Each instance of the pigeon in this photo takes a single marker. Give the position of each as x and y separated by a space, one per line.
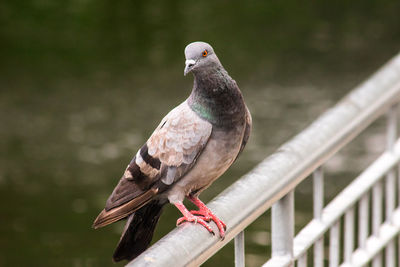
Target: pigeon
192 146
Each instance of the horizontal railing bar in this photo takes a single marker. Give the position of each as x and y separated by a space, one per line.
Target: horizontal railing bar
274 177
345 200
387 232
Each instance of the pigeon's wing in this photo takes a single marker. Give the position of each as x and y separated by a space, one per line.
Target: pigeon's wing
247 132
169 153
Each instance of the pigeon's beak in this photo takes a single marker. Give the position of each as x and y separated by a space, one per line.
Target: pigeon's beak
189 66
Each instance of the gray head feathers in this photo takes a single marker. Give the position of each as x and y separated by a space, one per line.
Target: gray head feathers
200 57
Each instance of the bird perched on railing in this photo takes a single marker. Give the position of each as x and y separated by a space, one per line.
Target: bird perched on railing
192 146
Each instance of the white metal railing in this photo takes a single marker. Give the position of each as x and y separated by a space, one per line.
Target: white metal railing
272 183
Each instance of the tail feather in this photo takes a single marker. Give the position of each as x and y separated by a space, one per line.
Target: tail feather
109 216
138 231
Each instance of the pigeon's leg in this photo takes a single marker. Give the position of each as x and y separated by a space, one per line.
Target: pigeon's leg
189 217
206 214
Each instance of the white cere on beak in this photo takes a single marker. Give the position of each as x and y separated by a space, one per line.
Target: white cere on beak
189 63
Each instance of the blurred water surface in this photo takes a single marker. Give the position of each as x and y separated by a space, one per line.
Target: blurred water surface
84 83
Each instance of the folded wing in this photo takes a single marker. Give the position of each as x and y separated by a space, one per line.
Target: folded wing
168 155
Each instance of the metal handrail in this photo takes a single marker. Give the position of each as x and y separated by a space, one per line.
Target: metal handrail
276 176
345 200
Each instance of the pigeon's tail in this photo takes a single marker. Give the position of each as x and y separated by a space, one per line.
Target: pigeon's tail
138 231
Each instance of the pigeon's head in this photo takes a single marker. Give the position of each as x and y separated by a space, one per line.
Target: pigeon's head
200 56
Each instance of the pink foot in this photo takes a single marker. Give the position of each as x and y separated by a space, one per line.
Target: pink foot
208 217
205 214
188 217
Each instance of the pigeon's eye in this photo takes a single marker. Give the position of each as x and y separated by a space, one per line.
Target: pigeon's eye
204 53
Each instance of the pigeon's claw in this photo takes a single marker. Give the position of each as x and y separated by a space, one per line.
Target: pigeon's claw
189 217
195 219
201 214
206 214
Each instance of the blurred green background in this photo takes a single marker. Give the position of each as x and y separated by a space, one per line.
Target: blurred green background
84 83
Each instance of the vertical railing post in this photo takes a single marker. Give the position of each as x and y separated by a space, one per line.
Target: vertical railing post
390 182
282 214
239 250
377 217
363 221
334 245
348 234
302 261
318 203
